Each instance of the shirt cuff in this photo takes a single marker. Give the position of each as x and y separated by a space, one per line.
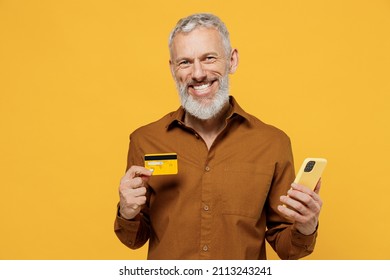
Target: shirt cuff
302 240
131 225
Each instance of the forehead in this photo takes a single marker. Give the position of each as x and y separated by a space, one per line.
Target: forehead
198 42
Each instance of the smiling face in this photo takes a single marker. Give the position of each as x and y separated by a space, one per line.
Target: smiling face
200 67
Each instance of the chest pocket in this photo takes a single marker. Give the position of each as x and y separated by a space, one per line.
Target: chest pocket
245 189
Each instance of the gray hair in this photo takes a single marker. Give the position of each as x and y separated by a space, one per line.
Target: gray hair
191 22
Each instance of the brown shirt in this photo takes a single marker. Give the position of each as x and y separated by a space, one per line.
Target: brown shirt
223 202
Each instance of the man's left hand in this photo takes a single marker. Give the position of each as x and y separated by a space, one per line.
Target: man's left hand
304 206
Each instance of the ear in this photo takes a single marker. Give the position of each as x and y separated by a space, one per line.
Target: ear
234 58
171 66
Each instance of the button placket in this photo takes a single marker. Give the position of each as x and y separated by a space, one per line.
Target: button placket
205 207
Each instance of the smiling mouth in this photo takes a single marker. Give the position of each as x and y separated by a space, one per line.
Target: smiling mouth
201 88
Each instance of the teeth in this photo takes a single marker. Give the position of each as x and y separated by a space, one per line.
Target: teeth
201 87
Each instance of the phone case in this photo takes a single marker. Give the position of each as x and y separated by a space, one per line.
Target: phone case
310 172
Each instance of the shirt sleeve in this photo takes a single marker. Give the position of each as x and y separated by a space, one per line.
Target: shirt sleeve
287 242
136 232
133 233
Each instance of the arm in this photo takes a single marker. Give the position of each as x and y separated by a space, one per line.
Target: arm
284 230
132 219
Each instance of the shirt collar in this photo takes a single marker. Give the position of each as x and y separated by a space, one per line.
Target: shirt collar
177 117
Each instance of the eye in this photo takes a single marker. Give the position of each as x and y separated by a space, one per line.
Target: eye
210 58
184 63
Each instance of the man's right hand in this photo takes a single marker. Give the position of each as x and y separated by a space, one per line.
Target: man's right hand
132 191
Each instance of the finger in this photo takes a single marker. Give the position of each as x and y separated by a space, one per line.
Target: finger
288 212
294 205
135 206
130 194
303 224
132 204
140 200
131 183
139 192
296 211
301 188
313 201
135 202
305 190
137 171
130 199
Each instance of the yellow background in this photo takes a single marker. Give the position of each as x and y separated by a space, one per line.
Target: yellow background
76 77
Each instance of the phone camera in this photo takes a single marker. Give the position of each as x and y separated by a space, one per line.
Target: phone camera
309 166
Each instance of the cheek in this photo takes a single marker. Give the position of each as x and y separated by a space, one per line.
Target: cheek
217 70
182 76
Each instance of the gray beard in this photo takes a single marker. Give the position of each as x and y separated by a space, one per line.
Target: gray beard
203 111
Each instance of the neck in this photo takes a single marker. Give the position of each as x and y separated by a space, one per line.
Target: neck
208 129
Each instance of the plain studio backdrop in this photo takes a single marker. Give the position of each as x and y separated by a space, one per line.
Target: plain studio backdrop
76 77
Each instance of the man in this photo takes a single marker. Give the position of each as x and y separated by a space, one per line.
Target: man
235 172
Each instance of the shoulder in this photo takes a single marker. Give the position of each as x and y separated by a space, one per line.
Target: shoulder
255 126
269 140
266 130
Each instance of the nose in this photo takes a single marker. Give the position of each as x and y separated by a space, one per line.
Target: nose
198 73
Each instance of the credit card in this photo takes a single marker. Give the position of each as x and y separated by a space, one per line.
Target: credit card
162 164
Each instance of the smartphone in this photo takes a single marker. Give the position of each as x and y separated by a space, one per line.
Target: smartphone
310 172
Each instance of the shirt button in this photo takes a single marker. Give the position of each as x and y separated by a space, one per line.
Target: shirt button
205 248
206 207
207 168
